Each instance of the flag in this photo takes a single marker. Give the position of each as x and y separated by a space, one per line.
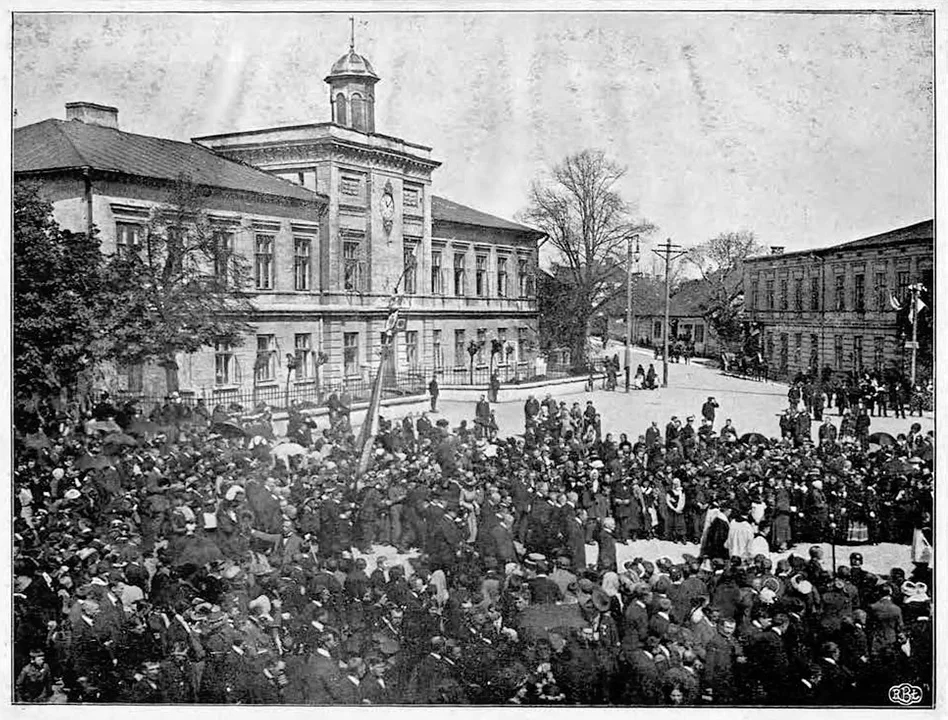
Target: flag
919 306
893 303
921 548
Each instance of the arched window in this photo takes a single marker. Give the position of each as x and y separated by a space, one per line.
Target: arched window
358 112
341 109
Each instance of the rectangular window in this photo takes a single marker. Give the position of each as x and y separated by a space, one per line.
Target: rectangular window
135 377
263 262
351 186
459 262
350 354
769 346
878 352
657 330
302 254
501 277
699 334
481 345
410 262
223 364
859 293
502 336
411 348
460 349
522 277
353 267
128 238
798 295
755 295
882 300
784 351
266 363
783 295
857 353
411 199
840 293
436 350
770 295
838 351
437 285
480 275
814 351
303 345
797 349
902 285
521 344
223 253
814 294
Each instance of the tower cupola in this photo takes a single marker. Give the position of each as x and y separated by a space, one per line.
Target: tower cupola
352 90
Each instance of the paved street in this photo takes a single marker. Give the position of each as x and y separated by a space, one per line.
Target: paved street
753 406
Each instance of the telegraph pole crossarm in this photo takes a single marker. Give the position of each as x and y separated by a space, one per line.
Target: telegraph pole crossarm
667 252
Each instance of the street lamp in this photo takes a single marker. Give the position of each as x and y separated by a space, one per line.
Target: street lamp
631 255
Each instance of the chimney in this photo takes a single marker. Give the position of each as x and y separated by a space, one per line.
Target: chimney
93 114
777 249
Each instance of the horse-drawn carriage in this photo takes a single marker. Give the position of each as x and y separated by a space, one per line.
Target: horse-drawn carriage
752 366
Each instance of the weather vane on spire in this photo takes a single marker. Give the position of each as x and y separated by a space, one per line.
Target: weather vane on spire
352 33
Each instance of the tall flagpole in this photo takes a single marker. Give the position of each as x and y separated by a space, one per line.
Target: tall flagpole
914 311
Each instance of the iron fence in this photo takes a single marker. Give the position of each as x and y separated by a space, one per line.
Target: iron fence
402 384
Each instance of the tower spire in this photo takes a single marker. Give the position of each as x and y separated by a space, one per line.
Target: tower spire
352 33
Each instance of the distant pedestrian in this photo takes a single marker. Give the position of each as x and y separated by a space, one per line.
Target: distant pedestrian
434 391
707 410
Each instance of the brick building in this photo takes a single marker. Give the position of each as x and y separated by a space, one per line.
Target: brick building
831 306
331 215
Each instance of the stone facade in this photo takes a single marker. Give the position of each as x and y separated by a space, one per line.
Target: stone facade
472 279
831 307
358 215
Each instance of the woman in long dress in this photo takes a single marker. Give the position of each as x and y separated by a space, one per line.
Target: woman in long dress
675 514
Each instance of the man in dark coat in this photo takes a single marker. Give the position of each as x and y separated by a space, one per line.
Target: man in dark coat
543 591
434 391
715 542
607 547
723 655
576 540
707 410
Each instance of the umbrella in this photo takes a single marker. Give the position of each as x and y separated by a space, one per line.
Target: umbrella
753 439
288 450
90 462
259 429
882 439
37 441
109 426
228 429
120 439
144 427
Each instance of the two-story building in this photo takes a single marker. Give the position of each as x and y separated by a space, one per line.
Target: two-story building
465 275
831 307
331 217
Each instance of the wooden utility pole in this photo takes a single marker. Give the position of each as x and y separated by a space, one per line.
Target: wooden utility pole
630 256
665 252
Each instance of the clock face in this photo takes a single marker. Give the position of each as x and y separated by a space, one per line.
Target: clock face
388 206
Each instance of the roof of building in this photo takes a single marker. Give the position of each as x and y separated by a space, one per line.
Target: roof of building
353 64
444 210
920 231
71 144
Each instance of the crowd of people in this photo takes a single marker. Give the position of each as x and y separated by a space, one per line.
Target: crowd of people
186 564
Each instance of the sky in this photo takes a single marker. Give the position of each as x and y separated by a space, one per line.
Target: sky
808 130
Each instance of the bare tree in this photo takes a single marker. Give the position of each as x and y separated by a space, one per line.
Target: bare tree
587 224
720 264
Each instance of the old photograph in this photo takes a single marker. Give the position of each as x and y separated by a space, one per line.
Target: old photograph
545 358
